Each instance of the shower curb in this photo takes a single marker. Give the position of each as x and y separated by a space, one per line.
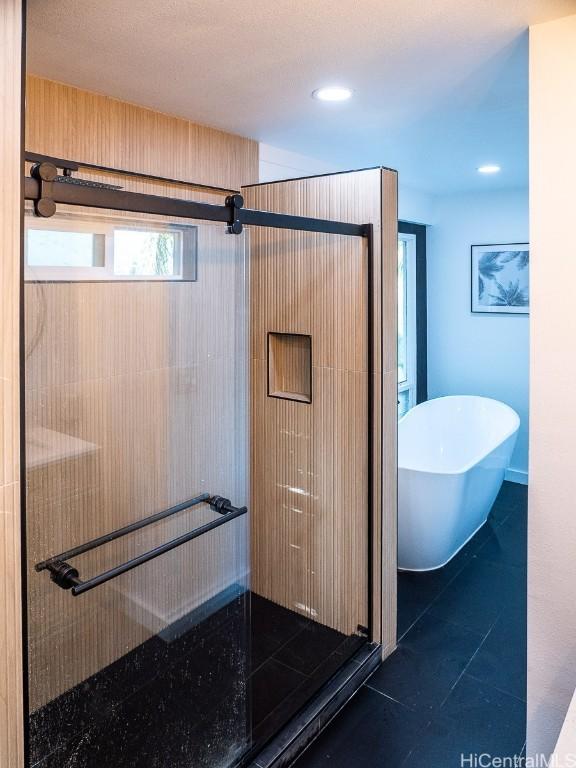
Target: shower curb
293 739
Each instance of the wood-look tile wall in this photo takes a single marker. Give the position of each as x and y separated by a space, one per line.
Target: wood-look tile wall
151 376
310 462
67 122
11 723
309 488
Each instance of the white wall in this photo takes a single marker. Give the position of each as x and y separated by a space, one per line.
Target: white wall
415 206
471 354
552 496
275 164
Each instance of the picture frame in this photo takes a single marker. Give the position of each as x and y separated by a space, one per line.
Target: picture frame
500 278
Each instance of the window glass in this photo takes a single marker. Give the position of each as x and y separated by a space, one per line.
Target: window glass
406 323
54 248
85 247
402 314
403 402
144 252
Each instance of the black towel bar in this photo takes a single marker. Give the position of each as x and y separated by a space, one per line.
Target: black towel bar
67 576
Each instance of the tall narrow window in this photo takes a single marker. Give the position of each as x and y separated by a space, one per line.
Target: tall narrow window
407 373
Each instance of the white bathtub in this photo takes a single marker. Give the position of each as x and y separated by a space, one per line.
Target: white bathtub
452 455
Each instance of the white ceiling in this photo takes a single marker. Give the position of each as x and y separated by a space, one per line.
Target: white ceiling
440 85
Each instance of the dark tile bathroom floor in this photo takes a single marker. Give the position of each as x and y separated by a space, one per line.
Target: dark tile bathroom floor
199 694
457 681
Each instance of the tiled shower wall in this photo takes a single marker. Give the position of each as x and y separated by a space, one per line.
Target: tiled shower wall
10 627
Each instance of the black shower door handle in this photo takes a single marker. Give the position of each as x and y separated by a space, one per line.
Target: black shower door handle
67 576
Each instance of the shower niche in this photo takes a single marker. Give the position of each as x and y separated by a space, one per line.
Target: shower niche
205 492
290 366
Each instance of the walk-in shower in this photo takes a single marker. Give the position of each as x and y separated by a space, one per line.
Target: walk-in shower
199 419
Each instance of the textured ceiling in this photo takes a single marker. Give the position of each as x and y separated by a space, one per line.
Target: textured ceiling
440 85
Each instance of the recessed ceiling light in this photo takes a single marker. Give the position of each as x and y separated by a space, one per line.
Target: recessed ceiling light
489 169
332 93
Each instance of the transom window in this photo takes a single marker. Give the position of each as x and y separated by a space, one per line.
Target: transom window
87 248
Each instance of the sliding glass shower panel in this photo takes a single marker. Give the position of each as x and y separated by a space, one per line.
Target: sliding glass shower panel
136 405
167 626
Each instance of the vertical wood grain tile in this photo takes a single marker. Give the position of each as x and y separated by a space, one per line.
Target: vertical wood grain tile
317 284
11 725
68 122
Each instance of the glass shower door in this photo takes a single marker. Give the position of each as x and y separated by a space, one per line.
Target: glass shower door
136 405
167 627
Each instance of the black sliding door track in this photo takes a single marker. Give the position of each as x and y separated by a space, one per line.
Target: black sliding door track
70 166
47 189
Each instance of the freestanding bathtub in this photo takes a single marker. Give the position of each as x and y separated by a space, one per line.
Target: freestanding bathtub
452 455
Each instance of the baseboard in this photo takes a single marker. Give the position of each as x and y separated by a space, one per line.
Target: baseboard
516 476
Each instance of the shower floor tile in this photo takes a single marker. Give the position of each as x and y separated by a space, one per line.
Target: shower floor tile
457 681
272 684
309 648
201 693
272 626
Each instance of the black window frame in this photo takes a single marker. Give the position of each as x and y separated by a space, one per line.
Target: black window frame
419 231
